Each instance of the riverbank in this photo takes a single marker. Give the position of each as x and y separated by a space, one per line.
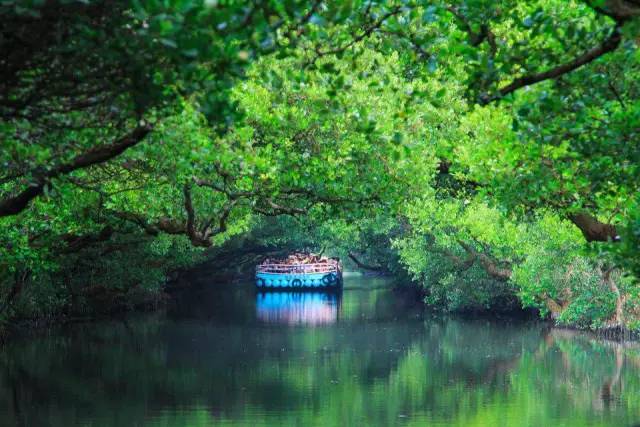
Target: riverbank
207 274
514 311
152 301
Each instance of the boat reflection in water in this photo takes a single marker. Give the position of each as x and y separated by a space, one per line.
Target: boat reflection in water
298 308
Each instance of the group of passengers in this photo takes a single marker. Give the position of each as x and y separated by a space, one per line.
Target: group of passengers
307 261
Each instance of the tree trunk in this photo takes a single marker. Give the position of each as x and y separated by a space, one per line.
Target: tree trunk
489 264
594 230
360 264
618 317
20 278
555 308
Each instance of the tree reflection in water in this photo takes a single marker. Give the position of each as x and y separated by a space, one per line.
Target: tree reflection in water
234 362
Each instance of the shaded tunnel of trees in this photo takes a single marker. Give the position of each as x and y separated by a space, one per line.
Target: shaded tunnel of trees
485 154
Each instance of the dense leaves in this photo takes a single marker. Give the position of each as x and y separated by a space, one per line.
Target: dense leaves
486 149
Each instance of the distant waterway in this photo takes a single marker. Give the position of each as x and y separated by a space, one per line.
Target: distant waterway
228 356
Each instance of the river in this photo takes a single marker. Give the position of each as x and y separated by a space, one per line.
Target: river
368 357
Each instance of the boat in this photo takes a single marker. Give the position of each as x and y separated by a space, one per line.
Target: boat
324 273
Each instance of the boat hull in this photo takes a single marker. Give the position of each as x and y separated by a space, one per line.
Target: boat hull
298 280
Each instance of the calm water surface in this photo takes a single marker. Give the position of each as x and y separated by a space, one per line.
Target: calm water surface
365 358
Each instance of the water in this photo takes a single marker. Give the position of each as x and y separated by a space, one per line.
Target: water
367 358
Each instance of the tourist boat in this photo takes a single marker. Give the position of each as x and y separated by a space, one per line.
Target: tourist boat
327 275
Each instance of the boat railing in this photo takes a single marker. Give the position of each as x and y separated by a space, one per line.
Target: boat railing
297 268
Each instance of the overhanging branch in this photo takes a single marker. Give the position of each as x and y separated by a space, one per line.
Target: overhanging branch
16 204
198 237
610 44
594 230
365 266
489 264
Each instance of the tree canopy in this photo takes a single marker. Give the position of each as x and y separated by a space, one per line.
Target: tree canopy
487 150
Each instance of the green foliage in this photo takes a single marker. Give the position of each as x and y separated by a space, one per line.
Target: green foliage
475 145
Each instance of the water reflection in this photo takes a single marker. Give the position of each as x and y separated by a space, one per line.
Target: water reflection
377 366
293 308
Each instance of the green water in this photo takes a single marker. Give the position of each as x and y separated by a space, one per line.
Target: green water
367 358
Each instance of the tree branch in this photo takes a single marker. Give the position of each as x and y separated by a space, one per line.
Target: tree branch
475 38
460 263
594 230
618 10
357 38
362 265
16 204
77 243
199 238
490 265
610 44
